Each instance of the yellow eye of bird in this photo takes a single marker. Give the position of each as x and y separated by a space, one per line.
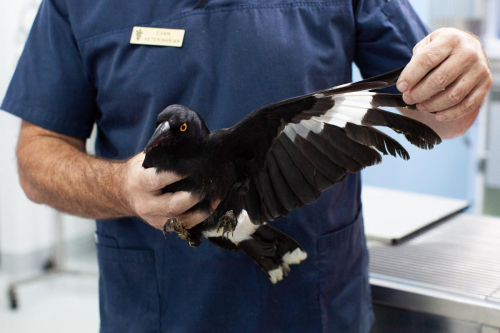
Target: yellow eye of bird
183 127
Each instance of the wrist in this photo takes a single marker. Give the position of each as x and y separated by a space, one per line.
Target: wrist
124 191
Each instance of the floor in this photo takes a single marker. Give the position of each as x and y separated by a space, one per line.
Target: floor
62 303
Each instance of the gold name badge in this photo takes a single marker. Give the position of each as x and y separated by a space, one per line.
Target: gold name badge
157 36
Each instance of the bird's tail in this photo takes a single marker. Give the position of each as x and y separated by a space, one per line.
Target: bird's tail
272 250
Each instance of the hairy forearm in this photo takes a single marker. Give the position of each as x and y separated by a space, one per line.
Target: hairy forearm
445 129
55 170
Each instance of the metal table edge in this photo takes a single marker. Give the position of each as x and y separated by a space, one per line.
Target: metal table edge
416 298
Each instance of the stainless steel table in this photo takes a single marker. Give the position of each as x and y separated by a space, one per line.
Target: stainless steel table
445 279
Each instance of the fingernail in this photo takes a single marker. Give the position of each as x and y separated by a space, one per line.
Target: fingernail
441 117
421 107
402 86
407 100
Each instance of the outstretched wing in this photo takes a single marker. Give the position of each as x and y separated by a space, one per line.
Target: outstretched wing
301 146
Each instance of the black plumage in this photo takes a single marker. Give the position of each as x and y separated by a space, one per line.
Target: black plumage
277 159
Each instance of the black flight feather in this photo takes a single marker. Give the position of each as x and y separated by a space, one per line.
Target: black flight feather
415 132
322 181
377 82
329 169
298 159
380 140
252 202
338 138
390 100
268 194
298 183
285 194
265 212
323 145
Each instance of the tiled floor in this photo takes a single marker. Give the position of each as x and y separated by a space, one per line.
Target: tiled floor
62 303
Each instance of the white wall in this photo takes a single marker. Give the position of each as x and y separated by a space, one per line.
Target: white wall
25 227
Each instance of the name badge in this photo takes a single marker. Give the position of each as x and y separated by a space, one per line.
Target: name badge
157 36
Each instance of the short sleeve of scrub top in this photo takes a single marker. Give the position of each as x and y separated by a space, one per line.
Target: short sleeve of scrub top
50 86
386 32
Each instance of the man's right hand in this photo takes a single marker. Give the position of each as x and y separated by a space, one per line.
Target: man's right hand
146 200
54 169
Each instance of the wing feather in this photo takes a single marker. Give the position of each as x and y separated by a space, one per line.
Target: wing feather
371 136
285 194
329 169
252 201
298 159
268 194
308 143
293 175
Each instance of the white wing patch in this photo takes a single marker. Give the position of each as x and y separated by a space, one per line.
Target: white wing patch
349 107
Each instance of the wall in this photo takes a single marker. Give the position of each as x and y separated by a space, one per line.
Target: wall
27 230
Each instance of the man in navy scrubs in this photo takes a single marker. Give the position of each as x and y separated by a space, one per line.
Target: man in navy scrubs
79 69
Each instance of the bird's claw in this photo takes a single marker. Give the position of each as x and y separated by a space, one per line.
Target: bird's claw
173 224
227 223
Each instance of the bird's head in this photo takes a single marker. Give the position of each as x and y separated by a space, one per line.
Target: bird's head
177 125
180 130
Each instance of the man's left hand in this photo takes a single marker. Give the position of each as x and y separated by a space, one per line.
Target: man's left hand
448 74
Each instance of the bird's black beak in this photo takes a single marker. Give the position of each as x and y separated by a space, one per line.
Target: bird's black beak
159 136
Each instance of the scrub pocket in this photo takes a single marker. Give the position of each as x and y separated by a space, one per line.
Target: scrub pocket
345 297
128 289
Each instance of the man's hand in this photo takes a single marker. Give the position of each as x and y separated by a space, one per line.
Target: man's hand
143 188
448 74
55 170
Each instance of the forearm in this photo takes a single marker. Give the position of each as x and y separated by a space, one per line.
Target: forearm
55 170
446 130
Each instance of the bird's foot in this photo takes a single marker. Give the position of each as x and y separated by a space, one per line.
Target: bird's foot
175 225
227 223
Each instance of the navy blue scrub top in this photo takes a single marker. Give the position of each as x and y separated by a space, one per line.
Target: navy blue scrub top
78 68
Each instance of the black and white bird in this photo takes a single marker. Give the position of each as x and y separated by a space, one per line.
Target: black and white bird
278 158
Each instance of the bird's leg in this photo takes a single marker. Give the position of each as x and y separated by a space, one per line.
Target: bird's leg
227 223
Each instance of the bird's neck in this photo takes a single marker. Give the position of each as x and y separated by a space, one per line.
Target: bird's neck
179 159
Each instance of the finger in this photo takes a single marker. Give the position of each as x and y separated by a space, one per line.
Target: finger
471 103
453 95
215 204
426 59
441 77
421 44
157 221
153 181
191 219
174 204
